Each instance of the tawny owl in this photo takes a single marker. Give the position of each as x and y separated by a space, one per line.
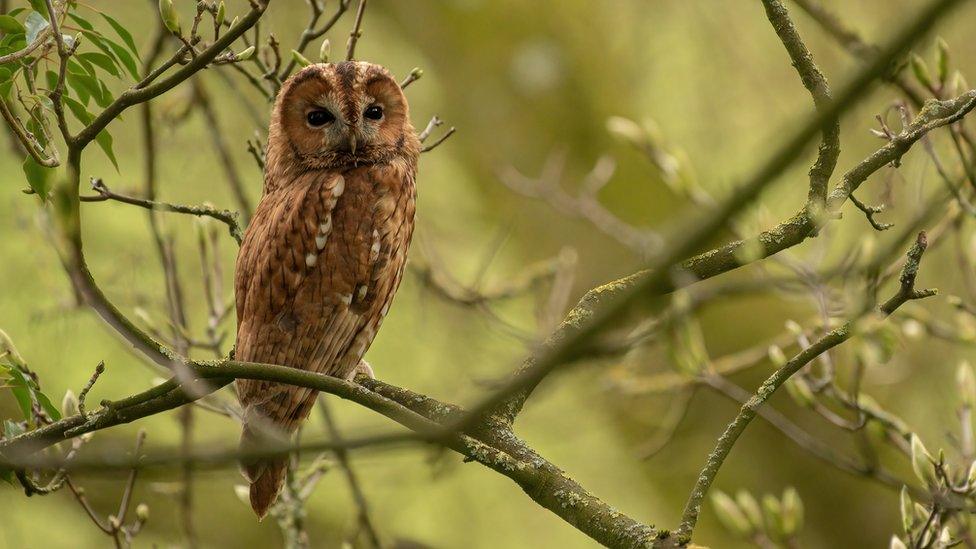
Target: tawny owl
325 251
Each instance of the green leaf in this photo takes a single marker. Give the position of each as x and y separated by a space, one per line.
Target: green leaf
6 82
80 88
22 395
127 60
79 110
35 128
21 390
38 177
51 78
101 60
46 405
34 25
7 475
85 84
39 6
82 22
13 42
102 44
123 34
104 141
106 94
111 48
10 25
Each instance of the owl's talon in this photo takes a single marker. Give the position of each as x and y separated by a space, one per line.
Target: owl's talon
362 368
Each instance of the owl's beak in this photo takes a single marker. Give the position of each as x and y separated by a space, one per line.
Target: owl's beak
352 142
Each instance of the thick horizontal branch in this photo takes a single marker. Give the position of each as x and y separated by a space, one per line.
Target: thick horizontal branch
491 444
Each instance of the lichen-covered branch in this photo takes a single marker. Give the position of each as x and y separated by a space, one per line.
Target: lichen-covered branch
726 442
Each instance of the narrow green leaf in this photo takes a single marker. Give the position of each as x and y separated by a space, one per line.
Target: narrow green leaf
84 65
9 25
22 395
104 141
9 41
127 60
82 22
38 177
78 110
80 87
35 128
101 60
46 405
6 82
124 34
39 6
103 44
51 78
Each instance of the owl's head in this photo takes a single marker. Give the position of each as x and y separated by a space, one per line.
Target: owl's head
340 115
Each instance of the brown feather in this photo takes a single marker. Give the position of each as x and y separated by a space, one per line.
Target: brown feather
324 253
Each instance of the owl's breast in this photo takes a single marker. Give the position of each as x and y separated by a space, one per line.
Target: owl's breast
362 232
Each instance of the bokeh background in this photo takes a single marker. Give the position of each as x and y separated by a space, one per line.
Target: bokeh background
519 80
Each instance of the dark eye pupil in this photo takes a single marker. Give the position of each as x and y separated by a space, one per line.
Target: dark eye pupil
319 118
374 113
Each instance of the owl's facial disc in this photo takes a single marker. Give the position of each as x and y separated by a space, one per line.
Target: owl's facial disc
346 114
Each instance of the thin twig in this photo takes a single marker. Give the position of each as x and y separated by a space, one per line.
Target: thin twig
99 370
227 217
356 33
441 139
345 463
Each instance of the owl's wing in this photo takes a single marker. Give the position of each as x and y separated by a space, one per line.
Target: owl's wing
314 281
279 257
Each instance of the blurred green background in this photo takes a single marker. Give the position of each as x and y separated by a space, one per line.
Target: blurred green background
518 80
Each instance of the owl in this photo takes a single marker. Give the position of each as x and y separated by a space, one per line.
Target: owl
325 251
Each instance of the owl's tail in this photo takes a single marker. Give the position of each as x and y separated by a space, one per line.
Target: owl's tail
266 475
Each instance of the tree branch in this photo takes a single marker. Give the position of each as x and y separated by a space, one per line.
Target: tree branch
226 217
716 458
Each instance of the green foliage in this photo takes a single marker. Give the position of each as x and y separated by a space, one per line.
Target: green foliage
25 389
93 67
9 25
38 177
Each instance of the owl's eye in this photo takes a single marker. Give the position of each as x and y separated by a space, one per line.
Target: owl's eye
318 118
373 112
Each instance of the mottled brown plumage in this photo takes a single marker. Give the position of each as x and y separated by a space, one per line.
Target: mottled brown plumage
325 251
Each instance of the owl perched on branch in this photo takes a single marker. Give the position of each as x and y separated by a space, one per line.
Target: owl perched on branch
325 251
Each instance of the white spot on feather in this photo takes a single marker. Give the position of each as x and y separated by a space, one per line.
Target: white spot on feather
320 241
345 298
310 260
361 293
340 187
326 225
374 251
